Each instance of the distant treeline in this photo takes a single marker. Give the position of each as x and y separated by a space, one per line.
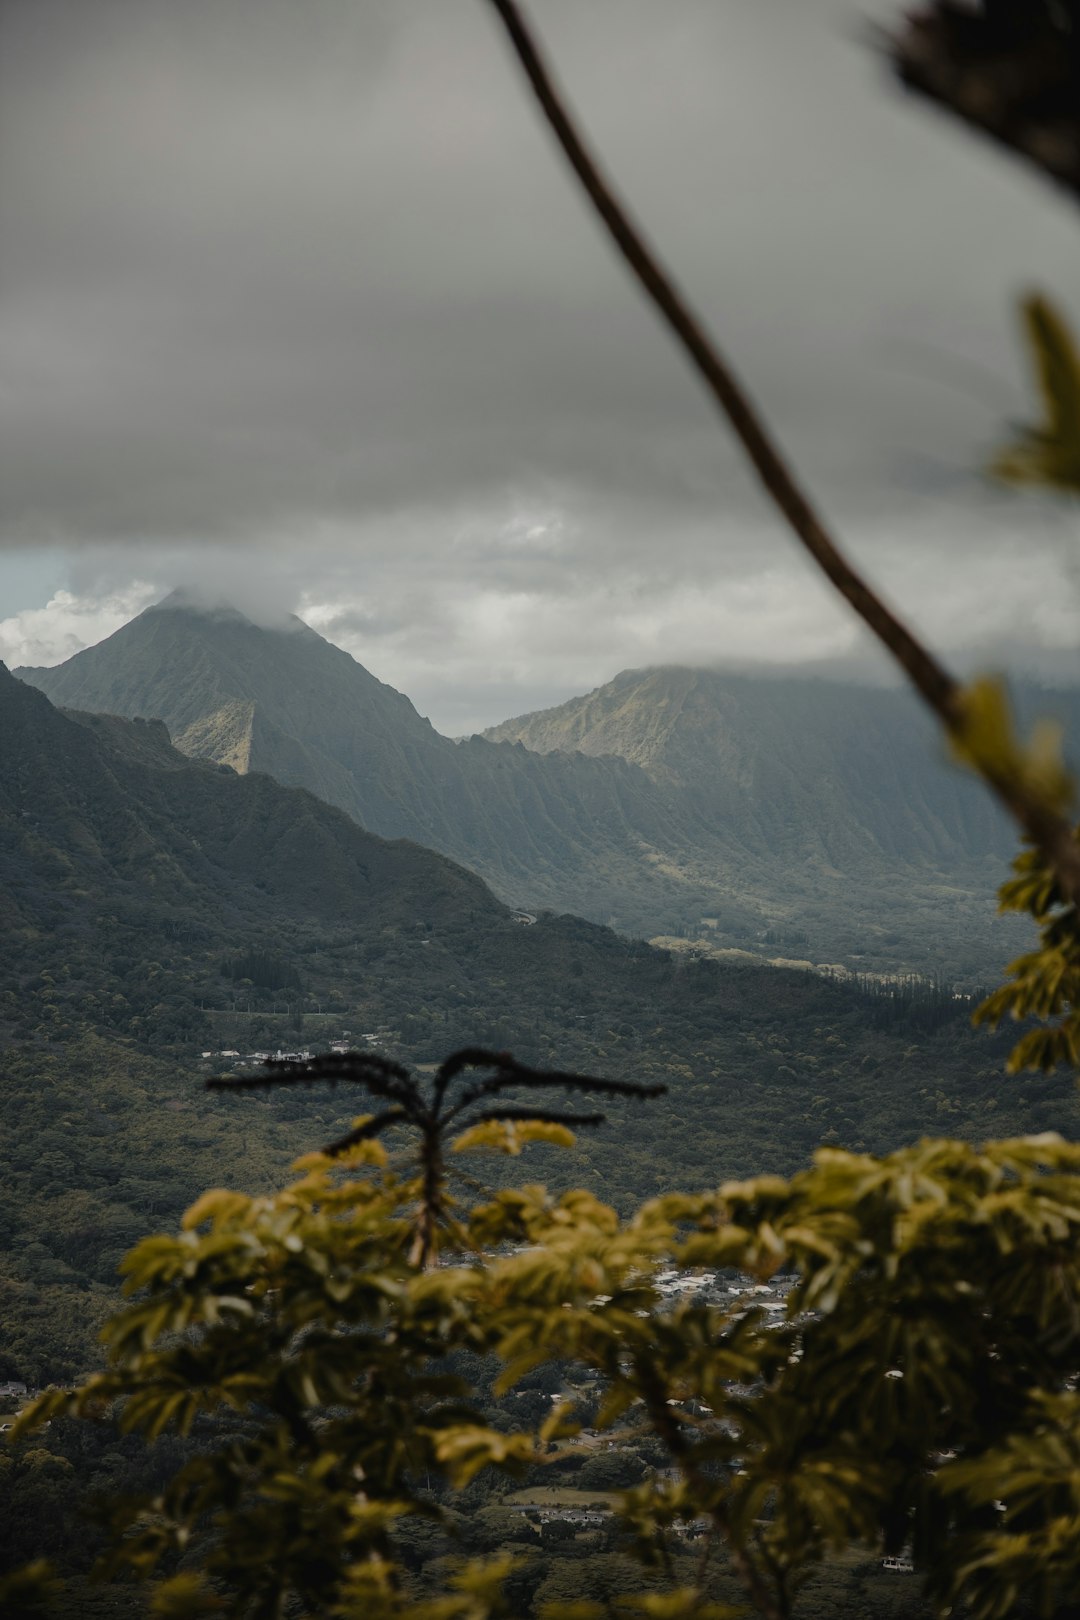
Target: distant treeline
914 1003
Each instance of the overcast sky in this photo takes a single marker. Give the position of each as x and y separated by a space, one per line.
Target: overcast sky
297 301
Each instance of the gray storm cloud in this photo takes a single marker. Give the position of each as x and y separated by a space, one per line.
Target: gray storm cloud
257 270
313 278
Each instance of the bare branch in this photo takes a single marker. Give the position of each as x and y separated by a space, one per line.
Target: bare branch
379 1075
933 681
510 1074
1049 831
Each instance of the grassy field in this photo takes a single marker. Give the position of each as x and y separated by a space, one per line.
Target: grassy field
559 1496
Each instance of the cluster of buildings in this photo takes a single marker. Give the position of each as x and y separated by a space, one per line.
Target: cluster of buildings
771 1297
590 1518
252 1060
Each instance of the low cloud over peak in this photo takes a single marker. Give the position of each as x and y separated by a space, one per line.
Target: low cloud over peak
311 318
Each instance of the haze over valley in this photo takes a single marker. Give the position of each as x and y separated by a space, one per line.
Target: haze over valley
812 822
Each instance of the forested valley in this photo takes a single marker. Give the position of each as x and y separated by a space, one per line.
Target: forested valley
108 1004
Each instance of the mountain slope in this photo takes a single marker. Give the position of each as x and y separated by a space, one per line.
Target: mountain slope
794 819
563 832
844 789
109 807
845 772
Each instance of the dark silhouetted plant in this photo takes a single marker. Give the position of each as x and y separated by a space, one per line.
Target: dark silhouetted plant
458 1099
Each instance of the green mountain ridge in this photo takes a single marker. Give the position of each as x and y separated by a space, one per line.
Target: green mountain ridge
120 800
844 786
844 772
565 833
803 819
133 880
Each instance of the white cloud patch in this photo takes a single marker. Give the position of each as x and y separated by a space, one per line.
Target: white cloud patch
68 623
481 612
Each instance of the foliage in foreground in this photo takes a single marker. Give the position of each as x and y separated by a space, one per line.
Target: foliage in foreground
919 1392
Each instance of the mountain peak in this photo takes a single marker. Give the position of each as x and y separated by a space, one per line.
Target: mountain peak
205 602
193 599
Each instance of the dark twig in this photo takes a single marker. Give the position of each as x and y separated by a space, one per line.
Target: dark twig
936 684
1049 831
379 1075
511 1074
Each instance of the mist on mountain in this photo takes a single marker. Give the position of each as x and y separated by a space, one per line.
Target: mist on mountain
796 820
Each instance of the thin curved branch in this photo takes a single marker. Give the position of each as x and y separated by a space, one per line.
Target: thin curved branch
1049 831
771 1604
510 1075
381 1076
935 682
